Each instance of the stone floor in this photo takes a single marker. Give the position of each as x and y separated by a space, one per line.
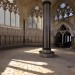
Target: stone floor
26 61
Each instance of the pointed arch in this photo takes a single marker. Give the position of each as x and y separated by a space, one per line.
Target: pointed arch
31 6
58 26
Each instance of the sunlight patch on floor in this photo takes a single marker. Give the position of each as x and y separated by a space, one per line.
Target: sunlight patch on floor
36 51
54 49
21 67
30 62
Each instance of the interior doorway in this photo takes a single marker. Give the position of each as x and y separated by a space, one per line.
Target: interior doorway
58 39
67 39
63 37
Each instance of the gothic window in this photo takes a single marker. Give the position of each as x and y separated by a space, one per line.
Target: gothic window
35 19
1 16
12 18
42 22
30 21
39 25
63 11
9 13
17 20
7 17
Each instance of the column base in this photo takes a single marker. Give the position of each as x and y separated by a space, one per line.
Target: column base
46 53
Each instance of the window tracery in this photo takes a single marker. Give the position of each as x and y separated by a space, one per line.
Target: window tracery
9 13
63 11
35 18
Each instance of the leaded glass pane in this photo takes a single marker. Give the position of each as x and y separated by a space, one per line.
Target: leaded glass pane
7 17
34 22
39 22
17 20
12 19
30 21
63 5
1 16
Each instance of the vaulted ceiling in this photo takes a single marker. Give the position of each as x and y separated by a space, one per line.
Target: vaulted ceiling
23 4
29 2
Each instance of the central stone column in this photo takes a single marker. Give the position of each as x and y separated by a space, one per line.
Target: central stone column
46 51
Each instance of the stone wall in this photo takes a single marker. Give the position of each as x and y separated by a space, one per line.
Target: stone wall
10 36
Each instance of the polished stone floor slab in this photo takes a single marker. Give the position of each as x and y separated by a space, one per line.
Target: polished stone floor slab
26 61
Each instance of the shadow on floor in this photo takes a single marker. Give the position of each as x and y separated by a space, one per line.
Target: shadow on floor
26 61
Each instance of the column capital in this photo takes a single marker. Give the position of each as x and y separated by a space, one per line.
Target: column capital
46 2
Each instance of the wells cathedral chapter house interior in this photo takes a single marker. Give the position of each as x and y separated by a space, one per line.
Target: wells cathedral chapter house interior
29 28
